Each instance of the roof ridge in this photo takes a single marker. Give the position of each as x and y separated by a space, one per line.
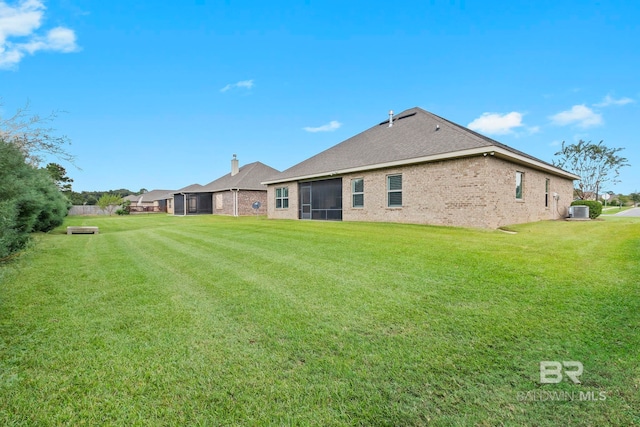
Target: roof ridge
497 143
249 177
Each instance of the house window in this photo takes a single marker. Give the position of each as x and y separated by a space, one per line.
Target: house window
546 193
394 191
282 198
219 201
357 193
519 184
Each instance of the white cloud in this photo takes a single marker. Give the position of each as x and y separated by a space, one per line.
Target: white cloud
246 84
18 37
498 124
609 100
533 129
580 115
329 127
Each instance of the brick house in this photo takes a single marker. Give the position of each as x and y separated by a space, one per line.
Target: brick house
417 167
232 194
165 202
151 201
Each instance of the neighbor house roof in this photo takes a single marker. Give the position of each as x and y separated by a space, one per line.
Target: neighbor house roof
416 136
193 188
152 195
148 197
249 177
167 195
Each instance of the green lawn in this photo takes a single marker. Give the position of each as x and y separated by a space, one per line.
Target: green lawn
209 320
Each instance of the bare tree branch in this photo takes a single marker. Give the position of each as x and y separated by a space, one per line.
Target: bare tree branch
596 164
34 136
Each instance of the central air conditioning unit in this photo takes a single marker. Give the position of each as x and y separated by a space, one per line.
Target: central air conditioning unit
579 212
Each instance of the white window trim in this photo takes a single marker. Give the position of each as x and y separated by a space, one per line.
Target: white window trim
281 198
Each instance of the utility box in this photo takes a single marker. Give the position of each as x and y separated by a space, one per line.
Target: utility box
579 212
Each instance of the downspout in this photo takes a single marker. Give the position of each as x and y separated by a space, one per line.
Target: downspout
235 201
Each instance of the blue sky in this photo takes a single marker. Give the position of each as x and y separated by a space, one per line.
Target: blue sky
161 94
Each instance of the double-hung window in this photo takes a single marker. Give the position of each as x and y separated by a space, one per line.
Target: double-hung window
282 198
357 193
394 191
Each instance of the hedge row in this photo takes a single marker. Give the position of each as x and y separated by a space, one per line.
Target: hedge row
29 200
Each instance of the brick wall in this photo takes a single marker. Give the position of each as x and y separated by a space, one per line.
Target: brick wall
532 205
469 192
246 198
292 211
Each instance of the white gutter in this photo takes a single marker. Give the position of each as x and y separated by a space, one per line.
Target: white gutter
489 150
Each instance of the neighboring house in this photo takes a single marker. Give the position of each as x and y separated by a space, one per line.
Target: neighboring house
417 167
232 194
151 201
133 198
165 202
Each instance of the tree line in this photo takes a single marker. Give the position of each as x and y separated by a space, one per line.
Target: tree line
59 175
92 197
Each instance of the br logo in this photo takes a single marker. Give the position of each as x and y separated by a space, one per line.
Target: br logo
551 371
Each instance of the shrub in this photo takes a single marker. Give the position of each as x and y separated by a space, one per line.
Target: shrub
125 208
29 200
54 206
595 207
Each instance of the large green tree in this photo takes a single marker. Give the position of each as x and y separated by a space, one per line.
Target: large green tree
59 176
595 164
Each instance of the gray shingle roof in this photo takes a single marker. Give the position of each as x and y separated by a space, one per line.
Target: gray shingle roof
249 177
189 189
152 195
163 194
415 134
132 197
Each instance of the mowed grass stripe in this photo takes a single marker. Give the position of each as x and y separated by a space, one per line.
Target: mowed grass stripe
396 311
371 341
288 334
121 346
300 274
219 239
